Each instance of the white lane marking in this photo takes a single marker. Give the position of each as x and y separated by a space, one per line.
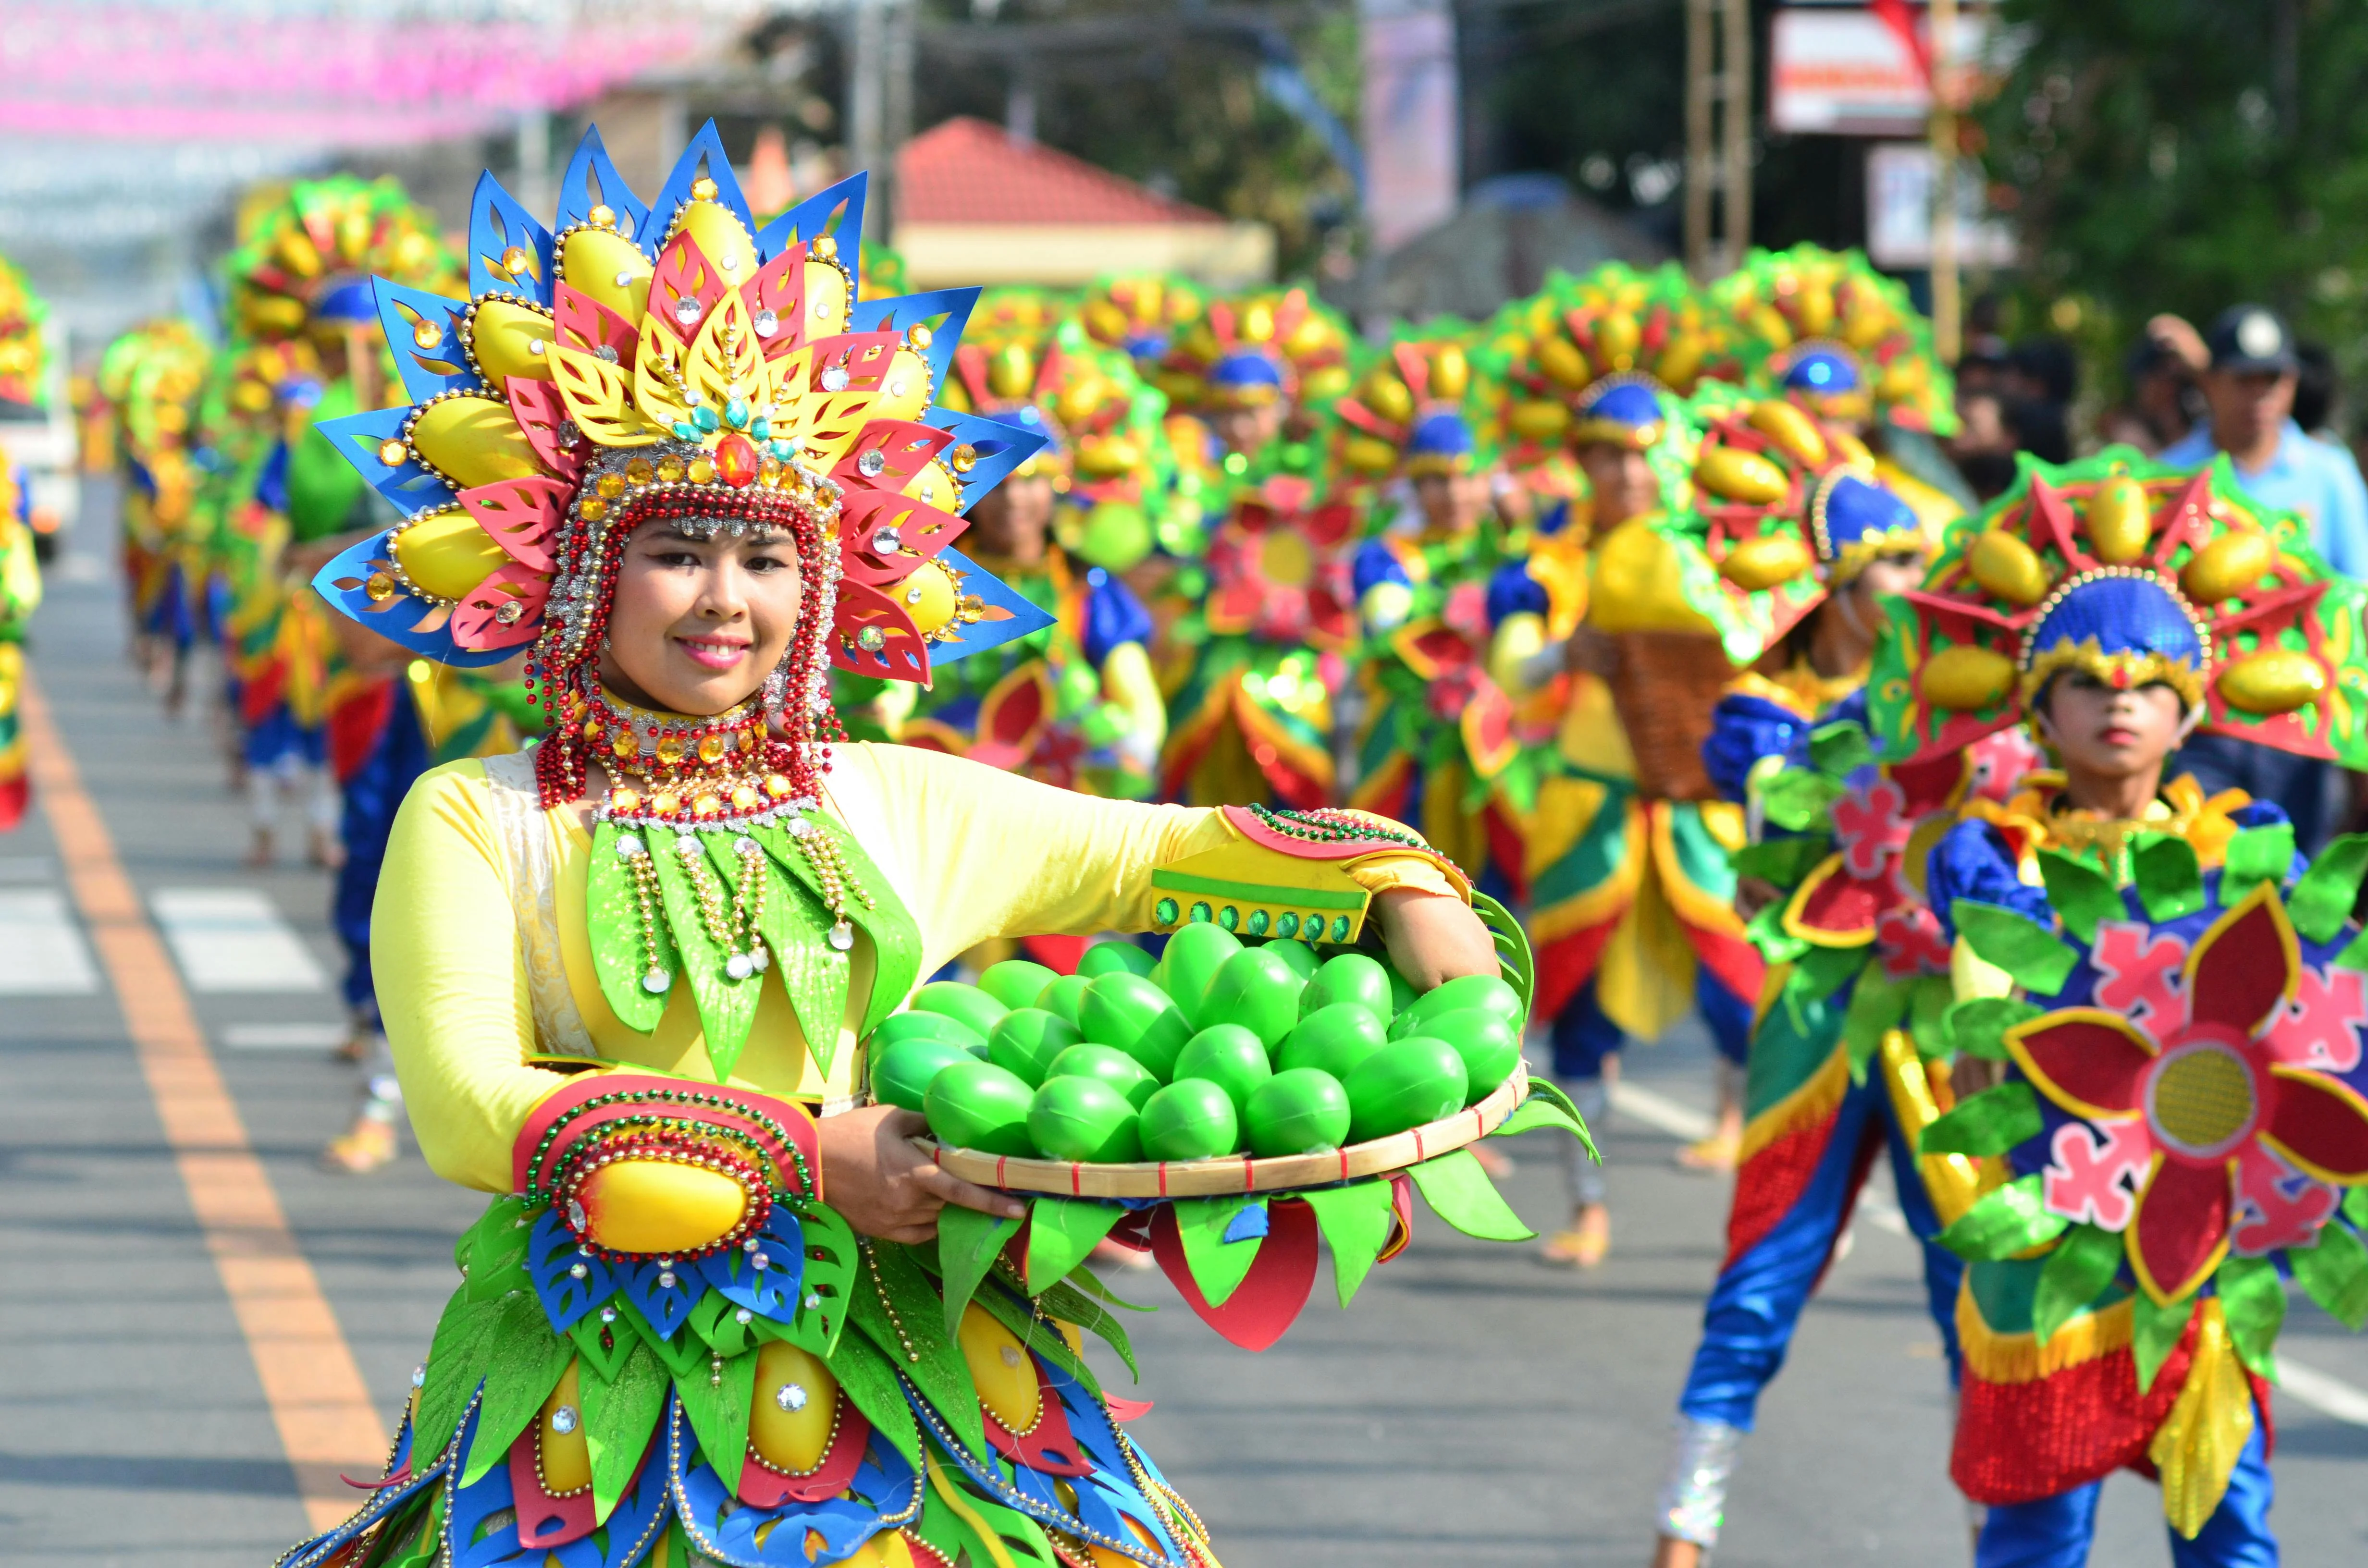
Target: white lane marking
1657 1110
41 949
2328 1396
283 1036
233 940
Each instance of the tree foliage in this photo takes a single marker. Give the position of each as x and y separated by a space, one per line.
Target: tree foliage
2188 155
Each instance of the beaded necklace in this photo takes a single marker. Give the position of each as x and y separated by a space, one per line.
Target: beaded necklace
707 863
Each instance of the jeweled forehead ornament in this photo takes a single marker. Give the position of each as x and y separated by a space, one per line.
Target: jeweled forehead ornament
672 362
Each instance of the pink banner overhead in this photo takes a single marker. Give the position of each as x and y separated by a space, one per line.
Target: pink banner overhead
321 73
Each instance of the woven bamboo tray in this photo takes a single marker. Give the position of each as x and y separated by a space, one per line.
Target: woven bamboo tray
1665 685
1237 1173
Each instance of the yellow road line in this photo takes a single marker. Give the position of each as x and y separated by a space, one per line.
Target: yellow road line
318 1399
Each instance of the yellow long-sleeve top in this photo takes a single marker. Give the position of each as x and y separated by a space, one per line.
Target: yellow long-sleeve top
484 959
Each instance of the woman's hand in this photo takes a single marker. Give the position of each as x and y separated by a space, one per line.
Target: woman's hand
885 1187
1433 938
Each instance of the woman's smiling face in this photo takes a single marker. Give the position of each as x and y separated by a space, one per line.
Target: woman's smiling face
698 622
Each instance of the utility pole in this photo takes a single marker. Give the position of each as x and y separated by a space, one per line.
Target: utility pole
1947 302
1718 135
879 98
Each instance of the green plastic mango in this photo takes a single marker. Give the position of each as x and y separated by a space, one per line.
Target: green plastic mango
1127 1011
1194 956
1489 1048
963 1003
1228 1056
1331 1040
1083 1118
1015 983
1107 958
1300 1112
976 1105
1255 990
1487 990
1190 1120
901 1074
1113 1067
1408 1083
897 1028
1063 994
1349 977
1028 1039
1298 955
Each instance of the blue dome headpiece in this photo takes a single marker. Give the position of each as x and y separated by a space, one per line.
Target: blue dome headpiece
1442 442
1246 376
2126 626
1622 410
1826 377
1854 521
349 301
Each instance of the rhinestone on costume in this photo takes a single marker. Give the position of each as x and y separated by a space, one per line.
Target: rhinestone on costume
428 333
510 612
1165 912
766 322
687 308
919 338
515 261
702 189
842 936
576 1218
638 471
379 587
871 638
760 1260
603 216
655 982
1010 1355
610 486
608 1314
578 1271
665 1279
564 1420
790 1396
669 470
687 848
737 967
896 387
701 471
964 457
392 452
537 345
728 262
631 848
624 280
834 378
872 463
606 353
744 1315
887 541
419 1377
737 461
813 1300
592 510
799 827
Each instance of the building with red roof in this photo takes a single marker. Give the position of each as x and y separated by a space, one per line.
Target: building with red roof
976 205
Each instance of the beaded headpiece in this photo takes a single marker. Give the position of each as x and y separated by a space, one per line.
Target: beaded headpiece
308 258
1140 315
23 357
672 362
1564 354
1258 350
1827 330
1414 412
2134 573
1785 509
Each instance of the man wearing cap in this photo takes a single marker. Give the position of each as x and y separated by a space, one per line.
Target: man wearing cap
2249 387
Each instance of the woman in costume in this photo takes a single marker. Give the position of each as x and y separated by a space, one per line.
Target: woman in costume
1074 703
151 378
20 595
1252 667
1590 368
2152 975
303 274
628 975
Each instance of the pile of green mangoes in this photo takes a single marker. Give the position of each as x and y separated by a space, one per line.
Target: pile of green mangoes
1221 1047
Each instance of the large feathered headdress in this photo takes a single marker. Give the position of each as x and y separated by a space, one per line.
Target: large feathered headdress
673 361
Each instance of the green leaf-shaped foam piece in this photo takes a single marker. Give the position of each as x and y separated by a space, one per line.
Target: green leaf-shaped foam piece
1460 1192
1988 1123
1356 1221
2079 1270
2006 1221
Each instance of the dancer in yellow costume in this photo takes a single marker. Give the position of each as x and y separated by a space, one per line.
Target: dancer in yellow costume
1591 371
629 975
20 595
151 378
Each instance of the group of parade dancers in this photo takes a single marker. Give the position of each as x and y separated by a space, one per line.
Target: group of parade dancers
1650 604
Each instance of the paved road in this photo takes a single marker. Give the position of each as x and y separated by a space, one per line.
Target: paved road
1474 1407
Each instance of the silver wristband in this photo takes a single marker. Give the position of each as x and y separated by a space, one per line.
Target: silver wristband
1692 1502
